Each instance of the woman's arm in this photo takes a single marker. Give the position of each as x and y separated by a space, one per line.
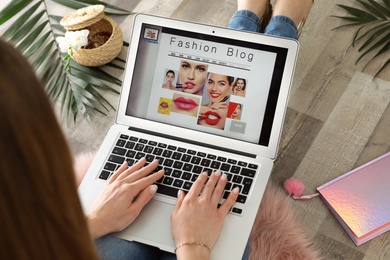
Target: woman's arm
197 219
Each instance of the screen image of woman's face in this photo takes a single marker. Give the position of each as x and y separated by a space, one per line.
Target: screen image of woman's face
218 87
237 111
240 84
170 77
192 76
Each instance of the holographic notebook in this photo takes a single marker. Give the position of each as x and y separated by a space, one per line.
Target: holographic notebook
360 199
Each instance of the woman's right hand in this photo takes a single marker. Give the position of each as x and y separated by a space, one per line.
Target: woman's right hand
197 217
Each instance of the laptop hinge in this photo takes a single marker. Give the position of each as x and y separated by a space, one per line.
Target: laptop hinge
193 142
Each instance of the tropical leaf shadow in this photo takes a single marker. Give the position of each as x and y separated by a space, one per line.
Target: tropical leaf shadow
373 29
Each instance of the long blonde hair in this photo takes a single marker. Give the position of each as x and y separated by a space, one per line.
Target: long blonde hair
40 212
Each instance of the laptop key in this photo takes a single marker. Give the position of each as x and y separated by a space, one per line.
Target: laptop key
197 169
171 147
237 179
167 153
192 152
187 167
195 160
235 169
162 145
158 151
237 210
205 162
104 175
130 145
139 147
149 158
178 165
178 183
116 159
247 185
143 141
168 180
187 185
186 176
186 158
212 156
168 162
119 151
181 149
148 149
152 143
123 136
225 167
167 190
176 173
121 142
248 172
221 159
109 166
130 161
215 165
243 164
176 156
139 155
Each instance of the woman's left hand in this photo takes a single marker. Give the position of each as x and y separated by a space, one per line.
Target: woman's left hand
122 199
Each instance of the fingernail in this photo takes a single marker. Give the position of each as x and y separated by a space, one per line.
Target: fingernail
236 190
178 193
224 177
217 173
153 189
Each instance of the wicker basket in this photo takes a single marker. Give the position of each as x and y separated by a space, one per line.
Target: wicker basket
100 27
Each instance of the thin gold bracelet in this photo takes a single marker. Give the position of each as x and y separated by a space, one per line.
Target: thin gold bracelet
196 243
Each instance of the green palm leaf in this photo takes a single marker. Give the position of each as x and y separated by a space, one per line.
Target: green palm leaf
373 29
28 26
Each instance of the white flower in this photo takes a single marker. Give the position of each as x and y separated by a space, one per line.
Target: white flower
63 44
77 39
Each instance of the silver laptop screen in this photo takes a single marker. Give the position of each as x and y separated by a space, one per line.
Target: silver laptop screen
206 83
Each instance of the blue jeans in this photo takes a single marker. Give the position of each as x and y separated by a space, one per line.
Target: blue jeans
112 247
278 26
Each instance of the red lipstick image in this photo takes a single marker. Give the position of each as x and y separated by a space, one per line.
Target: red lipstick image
185 103
211 117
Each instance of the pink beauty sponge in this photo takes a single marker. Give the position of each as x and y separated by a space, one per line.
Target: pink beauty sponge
293 187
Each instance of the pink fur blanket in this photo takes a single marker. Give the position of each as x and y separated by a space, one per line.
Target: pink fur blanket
276 234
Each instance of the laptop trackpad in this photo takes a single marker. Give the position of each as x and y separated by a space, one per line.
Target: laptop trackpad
152 226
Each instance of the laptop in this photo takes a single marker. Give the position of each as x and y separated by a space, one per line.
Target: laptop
197 98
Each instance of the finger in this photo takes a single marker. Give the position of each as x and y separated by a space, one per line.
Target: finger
143 198
118 172
219 189
198 185
142 172
229 202
142 183
179 201
135 167
210 185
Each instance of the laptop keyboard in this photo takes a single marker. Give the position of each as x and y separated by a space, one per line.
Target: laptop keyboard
182 166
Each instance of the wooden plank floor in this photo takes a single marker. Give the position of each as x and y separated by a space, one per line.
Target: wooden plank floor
338 116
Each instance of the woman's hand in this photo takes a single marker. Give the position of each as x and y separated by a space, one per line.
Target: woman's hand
197 217
219 104
122 199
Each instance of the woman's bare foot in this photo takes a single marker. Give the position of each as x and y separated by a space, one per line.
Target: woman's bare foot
258 7
296 10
